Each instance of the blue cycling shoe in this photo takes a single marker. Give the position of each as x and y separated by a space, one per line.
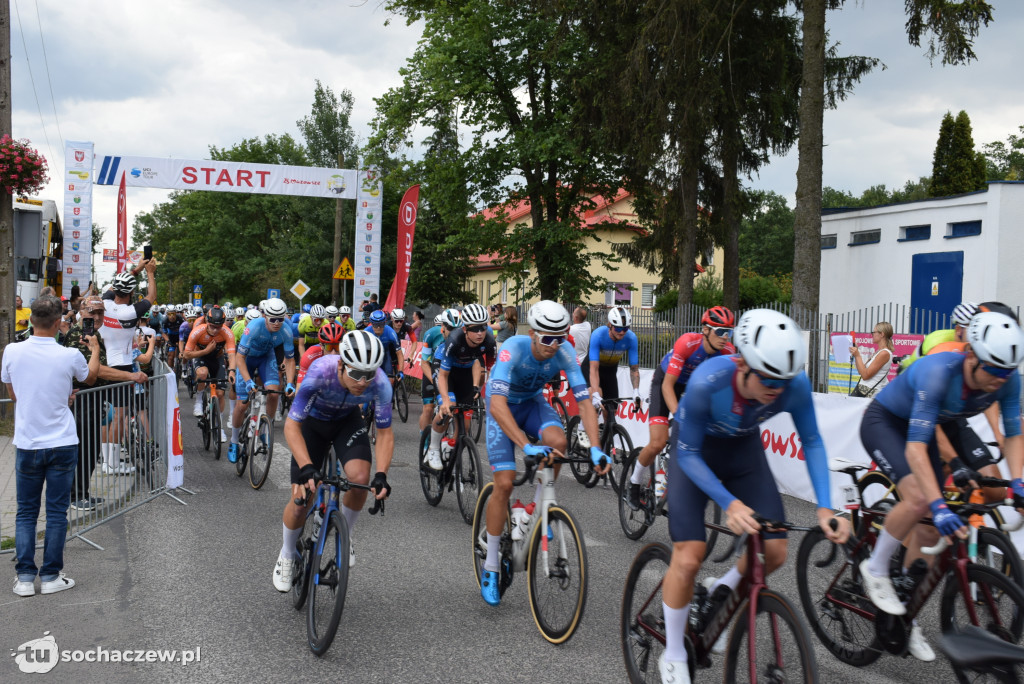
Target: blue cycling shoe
489 588
233 453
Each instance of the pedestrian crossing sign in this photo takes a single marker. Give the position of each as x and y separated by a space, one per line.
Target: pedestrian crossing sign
344 271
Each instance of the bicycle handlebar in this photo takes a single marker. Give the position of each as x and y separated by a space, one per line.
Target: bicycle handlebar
344 484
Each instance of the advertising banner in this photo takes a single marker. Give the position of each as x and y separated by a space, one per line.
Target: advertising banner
366 261
110 255
78 160
122 226
175 446
223 176
407 209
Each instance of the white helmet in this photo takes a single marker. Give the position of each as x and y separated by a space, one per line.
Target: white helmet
996 339
361 350
239 312
190 312
398 314
228 306
619 317
331 310
274 307
347 310
123 283
548 317
318 311
771 343
474 314
451 317
229 314
252 315
439 318
250 306
263 303
963 313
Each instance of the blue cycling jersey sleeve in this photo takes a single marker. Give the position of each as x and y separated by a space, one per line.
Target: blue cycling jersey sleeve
1009 405
598 339
633 348
693 414
800 404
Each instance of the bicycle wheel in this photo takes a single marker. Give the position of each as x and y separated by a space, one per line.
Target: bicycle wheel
304 547
204 423
328 583
558 583
215 428
261 452
430 479
782 646
997 602
480 537
834 600
468 477
563 414
635 523
476 425
997 551
621 446
641 622
583 472
402 401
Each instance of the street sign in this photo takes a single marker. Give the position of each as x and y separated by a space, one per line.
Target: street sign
196 301
273 294
197 288
344 271
299 289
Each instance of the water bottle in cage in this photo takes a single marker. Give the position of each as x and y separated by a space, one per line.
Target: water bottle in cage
318 520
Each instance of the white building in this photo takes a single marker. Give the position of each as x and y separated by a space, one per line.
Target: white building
926 255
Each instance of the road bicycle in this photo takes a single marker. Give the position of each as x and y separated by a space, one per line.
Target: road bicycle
980 656
652 505
321 577
855 631
461 468
478 418
256 439
551 551
209 422
769 630
614 441
189 376
400 398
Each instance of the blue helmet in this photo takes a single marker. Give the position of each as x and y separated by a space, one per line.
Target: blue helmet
307 307
378 316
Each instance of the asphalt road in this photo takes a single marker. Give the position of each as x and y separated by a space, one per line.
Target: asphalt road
199 576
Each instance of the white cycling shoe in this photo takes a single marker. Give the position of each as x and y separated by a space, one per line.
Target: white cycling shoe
283 572
918 647
880 591
673 671
434 459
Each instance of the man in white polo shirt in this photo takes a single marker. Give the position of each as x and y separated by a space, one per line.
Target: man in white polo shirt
38 373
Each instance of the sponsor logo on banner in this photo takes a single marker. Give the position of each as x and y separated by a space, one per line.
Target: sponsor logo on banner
336 183
77 211
369 215
75 246
368 259
79 156
368 270
75 258
77 199
362 281
76 234
71 187
368 248
80 175
76 223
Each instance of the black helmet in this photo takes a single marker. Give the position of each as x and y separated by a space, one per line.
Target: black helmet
215 315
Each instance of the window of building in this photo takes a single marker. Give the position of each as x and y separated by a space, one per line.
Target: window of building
865 237
618 294
908 233
647 295
828 241
963 229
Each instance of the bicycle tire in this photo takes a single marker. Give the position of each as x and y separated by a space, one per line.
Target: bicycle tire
997 551
204 424
328 584
430 479
583 472
480 536
620 447
559 406
849 636
304 547
994 588
243 446
261 452
468 477
877 491
402 401
476 425
634 523
641 622
780 612
563 532
215 429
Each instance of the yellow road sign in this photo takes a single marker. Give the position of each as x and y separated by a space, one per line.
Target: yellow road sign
344 271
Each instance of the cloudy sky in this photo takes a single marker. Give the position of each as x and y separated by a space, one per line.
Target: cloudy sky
171 79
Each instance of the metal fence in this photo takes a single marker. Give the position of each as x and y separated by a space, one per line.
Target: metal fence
122 464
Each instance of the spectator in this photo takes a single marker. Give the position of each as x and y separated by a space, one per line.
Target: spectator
21 315
580 331
38 374
875 374
417 325
372 305
506 326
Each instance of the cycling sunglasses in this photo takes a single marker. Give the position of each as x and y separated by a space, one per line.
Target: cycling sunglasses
276 320
475 328
360 375
771 383
996 371
620 328
551 340
722 332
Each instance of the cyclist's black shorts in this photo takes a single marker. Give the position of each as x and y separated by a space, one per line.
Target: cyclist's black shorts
884 437
659 410
460 384
427 390
609 381
967 444
123 395
216 365
348 436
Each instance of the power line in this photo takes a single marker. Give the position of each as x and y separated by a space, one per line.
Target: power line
49 82
49 147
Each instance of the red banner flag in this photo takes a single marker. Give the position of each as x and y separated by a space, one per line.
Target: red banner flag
406 229
122 226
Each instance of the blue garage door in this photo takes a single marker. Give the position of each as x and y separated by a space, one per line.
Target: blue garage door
936 286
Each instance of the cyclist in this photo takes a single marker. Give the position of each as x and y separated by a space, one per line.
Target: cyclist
213 347
345 314
239 327
257 351
719 454
517 412
402 329
898 430
461 361
328 411
394 359
329 335
445 322
608 345
169 333
332 313
309 325
669 382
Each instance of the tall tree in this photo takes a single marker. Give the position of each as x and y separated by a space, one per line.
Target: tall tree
1005 161
941 158
956 167
766 234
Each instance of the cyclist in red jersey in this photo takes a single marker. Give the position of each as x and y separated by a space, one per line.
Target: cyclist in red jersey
330 335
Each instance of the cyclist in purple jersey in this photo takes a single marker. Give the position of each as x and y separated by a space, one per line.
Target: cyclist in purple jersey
326 413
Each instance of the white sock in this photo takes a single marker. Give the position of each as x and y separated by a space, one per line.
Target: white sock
234 435
231 406
675 631
885 547
290 537
639 475
730 579
110 454
350 516
493 552
435 439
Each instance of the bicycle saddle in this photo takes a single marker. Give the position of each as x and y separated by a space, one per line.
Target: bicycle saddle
973 646
842 465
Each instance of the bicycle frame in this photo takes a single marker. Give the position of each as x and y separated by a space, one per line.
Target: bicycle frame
521 548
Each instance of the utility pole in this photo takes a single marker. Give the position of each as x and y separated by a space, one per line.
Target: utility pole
339 212
7 287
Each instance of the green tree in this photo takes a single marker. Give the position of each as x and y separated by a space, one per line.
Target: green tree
956 166
766 234
1005 161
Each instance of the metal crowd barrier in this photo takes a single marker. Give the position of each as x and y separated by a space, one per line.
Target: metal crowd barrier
122 461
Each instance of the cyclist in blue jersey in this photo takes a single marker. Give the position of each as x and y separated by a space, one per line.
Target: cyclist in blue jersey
257 352
434 338
327 412
608 345
394 359
517 412
898 431
170 334
719 454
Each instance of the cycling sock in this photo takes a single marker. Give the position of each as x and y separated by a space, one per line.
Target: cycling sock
730 579
885 547
639 474
231 406
435 439
234 435
109 454
290 537
350 516
675 630
493 552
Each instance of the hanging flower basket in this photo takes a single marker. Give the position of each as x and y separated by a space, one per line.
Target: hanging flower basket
23 170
